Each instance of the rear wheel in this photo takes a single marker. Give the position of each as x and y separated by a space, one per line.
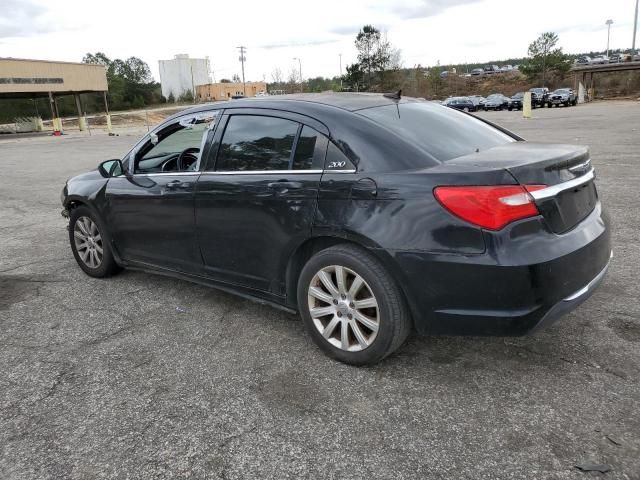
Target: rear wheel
88 244
351 306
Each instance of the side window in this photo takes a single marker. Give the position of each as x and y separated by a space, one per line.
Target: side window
310 150
177 147
336 160
256 143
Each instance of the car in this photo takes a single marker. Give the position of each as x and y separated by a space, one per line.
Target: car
506 68
616 58
539 96
461 103
584 60
496 101
562 96
488 70
516 102
369 215
477 100
599 60
477 72
444 74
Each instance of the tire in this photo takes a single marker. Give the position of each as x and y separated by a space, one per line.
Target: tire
87 236
390 316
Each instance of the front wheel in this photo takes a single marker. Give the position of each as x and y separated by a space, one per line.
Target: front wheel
351 306
88 243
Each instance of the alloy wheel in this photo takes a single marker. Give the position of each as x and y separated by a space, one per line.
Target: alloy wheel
88 242
343 308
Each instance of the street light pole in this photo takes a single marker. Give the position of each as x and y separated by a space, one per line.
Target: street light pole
340 55
608 24
242 60
635 27
300 66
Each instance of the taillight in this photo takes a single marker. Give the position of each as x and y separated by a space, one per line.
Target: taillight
490 207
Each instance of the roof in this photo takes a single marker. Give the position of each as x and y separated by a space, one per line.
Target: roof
49 61
346 101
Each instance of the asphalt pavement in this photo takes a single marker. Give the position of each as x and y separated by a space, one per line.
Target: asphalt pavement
142 376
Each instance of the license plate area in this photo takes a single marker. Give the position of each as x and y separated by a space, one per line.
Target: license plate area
569 207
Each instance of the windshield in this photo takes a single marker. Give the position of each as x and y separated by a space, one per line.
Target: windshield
442 133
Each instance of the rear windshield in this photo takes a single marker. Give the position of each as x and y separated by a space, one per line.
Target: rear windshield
442 132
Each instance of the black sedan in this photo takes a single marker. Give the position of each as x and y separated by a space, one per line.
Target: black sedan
461 103
369 215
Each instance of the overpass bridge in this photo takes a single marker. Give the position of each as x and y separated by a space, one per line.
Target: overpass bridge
584 76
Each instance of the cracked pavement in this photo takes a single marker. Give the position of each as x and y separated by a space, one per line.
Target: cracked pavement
142 376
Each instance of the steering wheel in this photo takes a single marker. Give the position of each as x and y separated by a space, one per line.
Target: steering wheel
182 165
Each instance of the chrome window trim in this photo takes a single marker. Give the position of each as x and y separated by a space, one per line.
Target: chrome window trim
261 172
553 190
273 172
173 174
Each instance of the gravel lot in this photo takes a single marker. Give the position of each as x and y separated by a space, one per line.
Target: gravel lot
141 376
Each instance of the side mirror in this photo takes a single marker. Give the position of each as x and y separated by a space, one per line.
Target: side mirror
111 168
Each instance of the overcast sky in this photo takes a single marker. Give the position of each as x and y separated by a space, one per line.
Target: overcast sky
276 31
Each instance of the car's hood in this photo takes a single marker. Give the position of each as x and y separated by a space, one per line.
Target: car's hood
92 175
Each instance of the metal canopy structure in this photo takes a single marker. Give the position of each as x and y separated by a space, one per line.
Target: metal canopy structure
23 78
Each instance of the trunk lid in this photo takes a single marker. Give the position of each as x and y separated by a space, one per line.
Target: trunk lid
565 169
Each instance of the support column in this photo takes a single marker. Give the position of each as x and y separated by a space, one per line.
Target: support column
56 122
106 109
82 119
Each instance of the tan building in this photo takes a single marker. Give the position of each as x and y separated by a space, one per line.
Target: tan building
224 91
19 77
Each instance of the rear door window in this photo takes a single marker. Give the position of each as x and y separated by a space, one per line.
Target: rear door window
443 133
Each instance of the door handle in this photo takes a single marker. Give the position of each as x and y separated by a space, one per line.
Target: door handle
174 184
281 186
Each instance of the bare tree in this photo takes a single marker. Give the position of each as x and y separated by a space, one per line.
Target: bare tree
292 79
276 76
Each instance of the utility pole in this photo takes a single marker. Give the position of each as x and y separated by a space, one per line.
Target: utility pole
635 27
193 86
340 55
300 65
242 60
608 24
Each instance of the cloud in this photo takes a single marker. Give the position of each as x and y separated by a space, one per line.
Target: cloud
427 8
22 18
346 29
298 43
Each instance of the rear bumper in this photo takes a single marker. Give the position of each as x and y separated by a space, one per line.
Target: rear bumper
527 278
572 302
